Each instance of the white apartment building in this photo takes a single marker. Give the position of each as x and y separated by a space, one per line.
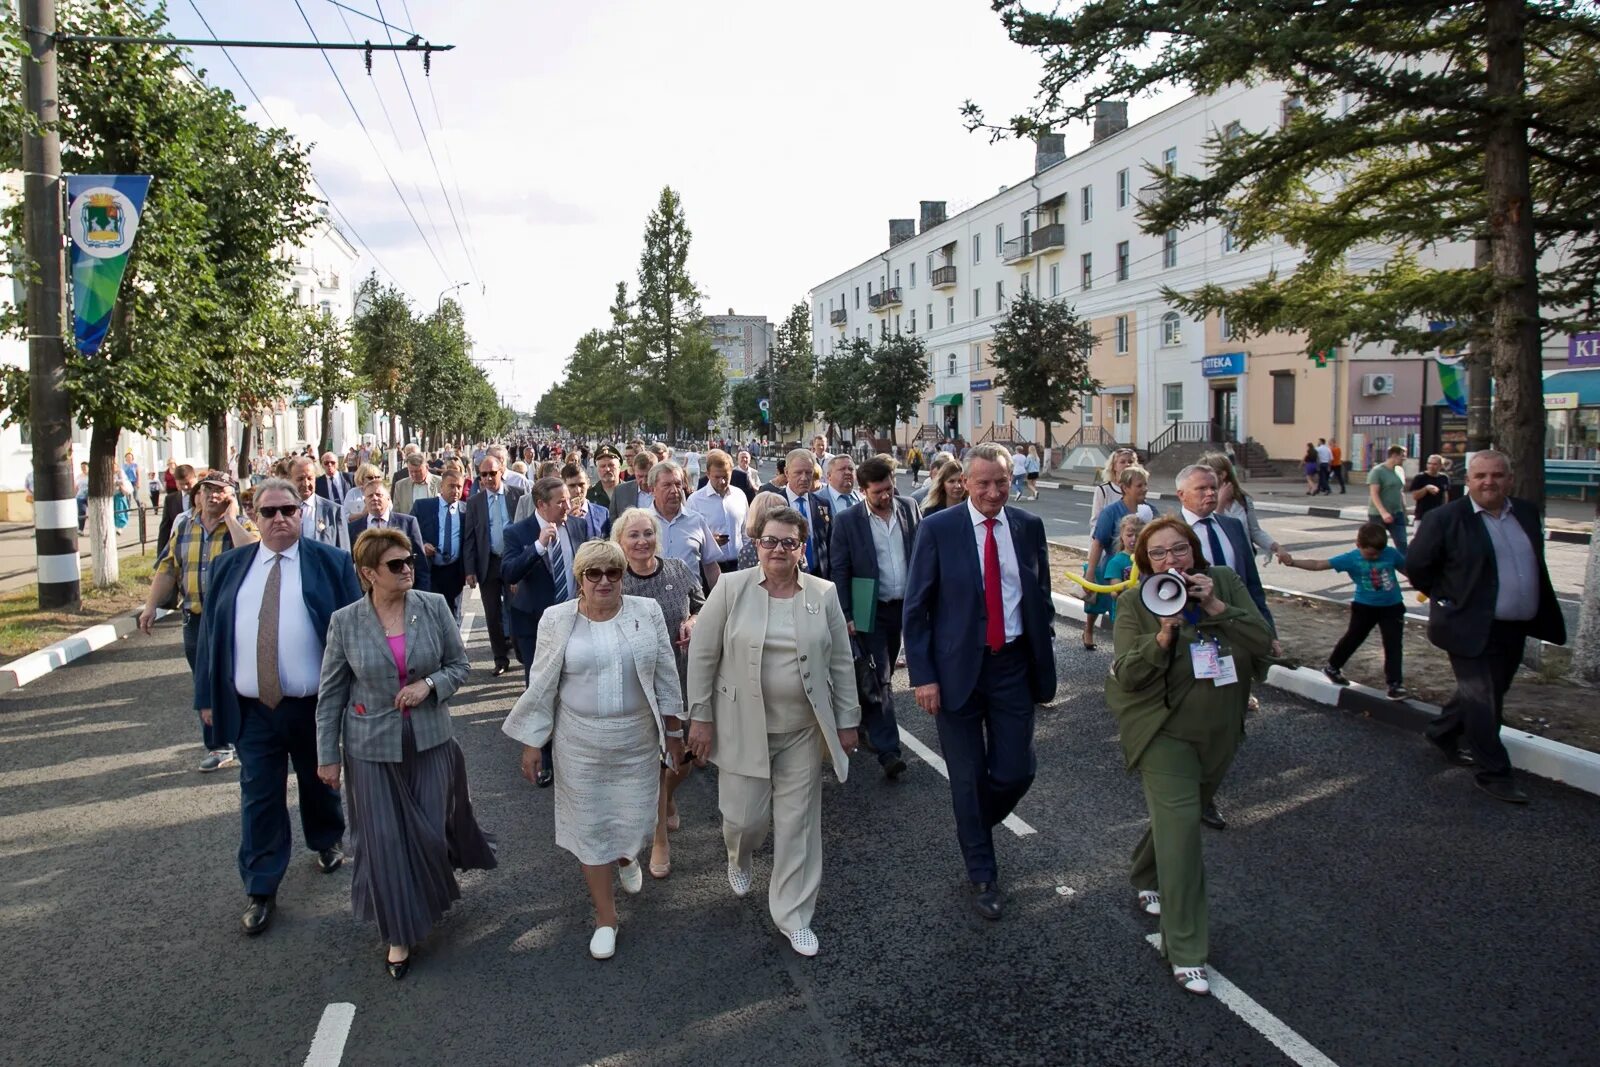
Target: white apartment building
743 341
1070 231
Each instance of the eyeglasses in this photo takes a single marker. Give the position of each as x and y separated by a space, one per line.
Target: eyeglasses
788 544
401 565
610 574
272 511
1158 554
488 474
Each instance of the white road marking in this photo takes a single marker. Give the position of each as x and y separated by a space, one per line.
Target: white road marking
933 759
1259 1019
327 1048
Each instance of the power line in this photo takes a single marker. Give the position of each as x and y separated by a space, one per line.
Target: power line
370 18
449 157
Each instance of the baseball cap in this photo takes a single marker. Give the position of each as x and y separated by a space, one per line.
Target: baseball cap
215 477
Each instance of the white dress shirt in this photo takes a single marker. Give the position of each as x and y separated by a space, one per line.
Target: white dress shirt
543 550
1010 573
1324 454
299 648
890 543
509 477
1198 525
724 513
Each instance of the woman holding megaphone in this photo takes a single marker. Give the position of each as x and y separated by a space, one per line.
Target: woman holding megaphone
1188 640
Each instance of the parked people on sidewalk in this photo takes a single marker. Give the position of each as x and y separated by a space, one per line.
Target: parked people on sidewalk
256 675
1430 489
1378 601
1386 486
393 660
1481 561
182 578
604 690
1178 692
1109 488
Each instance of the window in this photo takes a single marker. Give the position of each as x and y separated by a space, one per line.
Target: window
949 311
952 364
1027 280
1172 395
858 300
1086 203
858 333
1232 132
1171 333
999 296
933 412
1122 261
1283 397
1230 243
869 290
1123 187
930 268
977 411
999 239
1224 330
1122 335
1169 161
913 266
999 408
883 328
897 325
977 305
830 307
1169 249
1088 271
930 316
1086 406
897 278
1055 279
977 247
913 321
1292 105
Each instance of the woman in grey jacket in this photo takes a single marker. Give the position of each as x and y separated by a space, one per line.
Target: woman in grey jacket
393 660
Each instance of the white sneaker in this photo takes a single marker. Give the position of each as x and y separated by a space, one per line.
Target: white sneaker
738 880
631 877
804 941
1192 979
1149 902
603 945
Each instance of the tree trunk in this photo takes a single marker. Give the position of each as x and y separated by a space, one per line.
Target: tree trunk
325 434
247 438
1479 360
101 528
217 440
1586 652
1519 397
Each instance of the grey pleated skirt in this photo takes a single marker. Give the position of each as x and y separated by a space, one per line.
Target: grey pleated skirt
410 828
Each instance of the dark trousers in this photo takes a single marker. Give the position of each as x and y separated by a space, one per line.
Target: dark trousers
269 741
191 642
880 649
988 749
1322 478
493 592
1338 475
1390 619
1397 532
448 579
1478 707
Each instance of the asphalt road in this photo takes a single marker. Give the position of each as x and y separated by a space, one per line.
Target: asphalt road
1371 904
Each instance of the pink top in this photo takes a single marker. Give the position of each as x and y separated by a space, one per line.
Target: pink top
397 648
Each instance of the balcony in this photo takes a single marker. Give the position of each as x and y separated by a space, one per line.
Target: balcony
837 317
1015 249
1049 238
889 298
944 277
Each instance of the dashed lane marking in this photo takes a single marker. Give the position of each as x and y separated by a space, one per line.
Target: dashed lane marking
327 1048
934 760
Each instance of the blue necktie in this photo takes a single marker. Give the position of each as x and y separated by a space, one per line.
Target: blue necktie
811 558
448 538
496 522
1219 558
558 569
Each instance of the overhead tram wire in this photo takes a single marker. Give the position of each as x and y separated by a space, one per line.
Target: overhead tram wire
362 123
371 18
364 244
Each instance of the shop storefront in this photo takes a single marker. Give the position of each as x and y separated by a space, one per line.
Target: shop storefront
1372 435
1572 415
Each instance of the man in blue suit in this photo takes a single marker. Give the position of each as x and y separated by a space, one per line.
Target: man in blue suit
439 522
980 672
537 568
258 664
874 543
379 514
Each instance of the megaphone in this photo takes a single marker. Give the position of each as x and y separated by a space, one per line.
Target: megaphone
1164 594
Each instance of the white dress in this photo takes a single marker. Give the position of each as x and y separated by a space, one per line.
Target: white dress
607 750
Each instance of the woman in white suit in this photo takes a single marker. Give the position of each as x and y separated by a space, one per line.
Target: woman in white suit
771 686
605 680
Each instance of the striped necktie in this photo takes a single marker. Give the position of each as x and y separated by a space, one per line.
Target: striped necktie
558 569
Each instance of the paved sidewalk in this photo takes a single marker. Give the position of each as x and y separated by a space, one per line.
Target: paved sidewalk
17 555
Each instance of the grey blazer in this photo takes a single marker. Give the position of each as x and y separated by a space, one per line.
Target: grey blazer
355 704
645 628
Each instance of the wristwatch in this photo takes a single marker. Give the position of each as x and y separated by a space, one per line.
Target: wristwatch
675 733
431 686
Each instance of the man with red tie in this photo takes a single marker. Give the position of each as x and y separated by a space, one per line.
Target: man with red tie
980 673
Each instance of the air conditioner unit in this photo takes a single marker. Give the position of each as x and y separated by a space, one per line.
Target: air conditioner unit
1377 385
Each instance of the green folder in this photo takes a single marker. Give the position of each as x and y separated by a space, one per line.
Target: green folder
864 603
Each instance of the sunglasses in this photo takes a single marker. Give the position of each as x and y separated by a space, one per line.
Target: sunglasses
401 565
488 474
788 544
272 511
610 574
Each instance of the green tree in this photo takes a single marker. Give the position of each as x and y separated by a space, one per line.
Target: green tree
328 368
667 314
438 402
1040 356
384 336
1408 125
791 371
900 375
844 386
744 407
702 385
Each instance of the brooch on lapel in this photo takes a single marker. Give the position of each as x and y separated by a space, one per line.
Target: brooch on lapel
669 587
321 526
812 609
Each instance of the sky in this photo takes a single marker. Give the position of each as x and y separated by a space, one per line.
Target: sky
792 133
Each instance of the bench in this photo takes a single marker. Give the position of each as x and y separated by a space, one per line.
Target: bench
1563 477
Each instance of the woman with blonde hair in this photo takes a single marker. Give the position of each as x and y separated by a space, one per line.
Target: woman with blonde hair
604 682
1110 485
355 501
764 502
947 488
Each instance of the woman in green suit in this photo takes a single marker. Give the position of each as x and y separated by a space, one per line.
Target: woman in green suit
1178 689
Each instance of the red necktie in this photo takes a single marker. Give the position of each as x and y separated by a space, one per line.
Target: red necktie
995 637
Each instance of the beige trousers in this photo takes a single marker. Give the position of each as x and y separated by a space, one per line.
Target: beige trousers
791 801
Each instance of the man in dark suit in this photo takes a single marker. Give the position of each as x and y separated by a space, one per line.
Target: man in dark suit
538 570
320 519
256 675
800 479
175 504
381 514
634 493
874 543
980 672
1481 562
440 521
333 484
489 512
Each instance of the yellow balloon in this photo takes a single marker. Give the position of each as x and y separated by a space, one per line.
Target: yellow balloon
1096 587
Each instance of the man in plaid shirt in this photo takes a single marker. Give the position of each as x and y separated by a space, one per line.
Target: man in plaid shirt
213 526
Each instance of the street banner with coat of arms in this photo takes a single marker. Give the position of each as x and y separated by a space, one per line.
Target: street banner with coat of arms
102 217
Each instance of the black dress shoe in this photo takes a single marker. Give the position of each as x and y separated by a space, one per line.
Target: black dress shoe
546 776
1454 753
330 859
1505 789
1212 817
501 668
894 768
397 970
987 900
258 916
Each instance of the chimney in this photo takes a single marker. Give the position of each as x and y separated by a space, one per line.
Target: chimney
1110 116
901 230
1051 149
932 214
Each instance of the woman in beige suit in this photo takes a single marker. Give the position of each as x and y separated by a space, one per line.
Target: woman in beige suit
771 685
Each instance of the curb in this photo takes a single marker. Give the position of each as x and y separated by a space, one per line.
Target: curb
35 665
1530 753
